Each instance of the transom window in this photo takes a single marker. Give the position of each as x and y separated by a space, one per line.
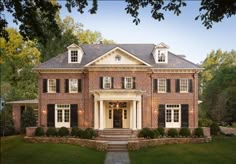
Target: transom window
183 85
161 85
128 82
106 82
73 85
74 56
52 85
161 56
63 113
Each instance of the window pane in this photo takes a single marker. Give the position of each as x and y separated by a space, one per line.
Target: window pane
161 56
52 85
125 114
183 85
128 82
176 115
74 56
107 82
73 83
161 85
168 115
66 115
110 114
59 115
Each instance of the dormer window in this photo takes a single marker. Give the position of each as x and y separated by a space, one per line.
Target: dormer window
161 57
160 53
74 56
75 53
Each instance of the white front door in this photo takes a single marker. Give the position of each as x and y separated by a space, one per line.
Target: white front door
173 118
62 116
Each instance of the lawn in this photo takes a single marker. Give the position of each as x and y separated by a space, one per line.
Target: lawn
221 150
15 151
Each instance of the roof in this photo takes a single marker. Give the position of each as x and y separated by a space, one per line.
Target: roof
35 101
141 51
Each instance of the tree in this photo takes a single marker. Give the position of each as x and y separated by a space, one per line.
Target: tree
18 58
6 122
28 119
37 15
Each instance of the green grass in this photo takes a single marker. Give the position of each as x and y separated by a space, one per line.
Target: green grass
15 151
221 150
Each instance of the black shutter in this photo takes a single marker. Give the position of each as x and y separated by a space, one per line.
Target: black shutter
161 115
45 85
73 115
101 82
184 115
58 85
79 85
154 85
66 85
190 85
168 85
134 83
51 115
123 82
177 85
112 82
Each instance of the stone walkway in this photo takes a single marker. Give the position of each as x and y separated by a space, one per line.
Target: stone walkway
117 158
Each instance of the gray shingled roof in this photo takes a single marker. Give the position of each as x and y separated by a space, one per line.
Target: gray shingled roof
93 51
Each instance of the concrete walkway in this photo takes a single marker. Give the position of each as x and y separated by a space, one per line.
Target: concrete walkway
117 158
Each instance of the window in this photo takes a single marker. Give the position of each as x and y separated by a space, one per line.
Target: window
128 82
183 85
73 85
51 85
110 114
161 85
117 58
106 82
125 114
161 56
62 115
74 56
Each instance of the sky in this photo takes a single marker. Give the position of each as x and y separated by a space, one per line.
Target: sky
182 33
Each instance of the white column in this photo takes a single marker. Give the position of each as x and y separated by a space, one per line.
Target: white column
134 115
95 114
101 115
139 116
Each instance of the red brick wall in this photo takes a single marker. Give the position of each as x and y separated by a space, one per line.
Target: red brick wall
91 81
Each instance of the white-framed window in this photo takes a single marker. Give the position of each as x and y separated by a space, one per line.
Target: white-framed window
161 56
73 85
51 85
183 85
106 82
161 86
128 82
74 56
173 115
62 115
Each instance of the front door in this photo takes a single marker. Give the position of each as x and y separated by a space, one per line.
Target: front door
117 118
172 118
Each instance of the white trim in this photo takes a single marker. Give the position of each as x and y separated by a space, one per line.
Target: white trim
114 49
73 45
63 108
173 108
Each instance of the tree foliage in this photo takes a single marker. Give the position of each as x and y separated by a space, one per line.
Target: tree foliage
6 122
36 16
28 119
219 86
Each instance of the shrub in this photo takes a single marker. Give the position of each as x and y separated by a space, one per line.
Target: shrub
184 132
89 133
161 131
79 133
51 131
157 134
146 133
28 119
214 129
39 131
6 122
74 131
205 122
63 131
198 132
172 132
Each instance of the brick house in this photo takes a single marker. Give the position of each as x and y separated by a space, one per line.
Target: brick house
118 86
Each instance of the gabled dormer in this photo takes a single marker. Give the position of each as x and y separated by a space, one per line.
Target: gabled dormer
75 53
160 53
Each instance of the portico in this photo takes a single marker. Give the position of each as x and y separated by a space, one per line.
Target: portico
117 109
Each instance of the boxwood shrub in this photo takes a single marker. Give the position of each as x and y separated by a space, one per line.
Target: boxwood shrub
79 133
89 133
161 131
39 131
198 132
146 133
157 134
63 131
172 132
74 131
185 132
51 131
215 130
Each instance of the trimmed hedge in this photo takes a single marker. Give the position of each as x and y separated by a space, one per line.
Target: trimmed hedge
198 132
51 131
185 132
39 131
74 131
88 133
172 132
161 131
215 129
146 133
63 131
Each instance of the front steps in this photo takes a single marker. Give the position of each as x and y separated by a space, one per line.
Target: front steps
117 138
